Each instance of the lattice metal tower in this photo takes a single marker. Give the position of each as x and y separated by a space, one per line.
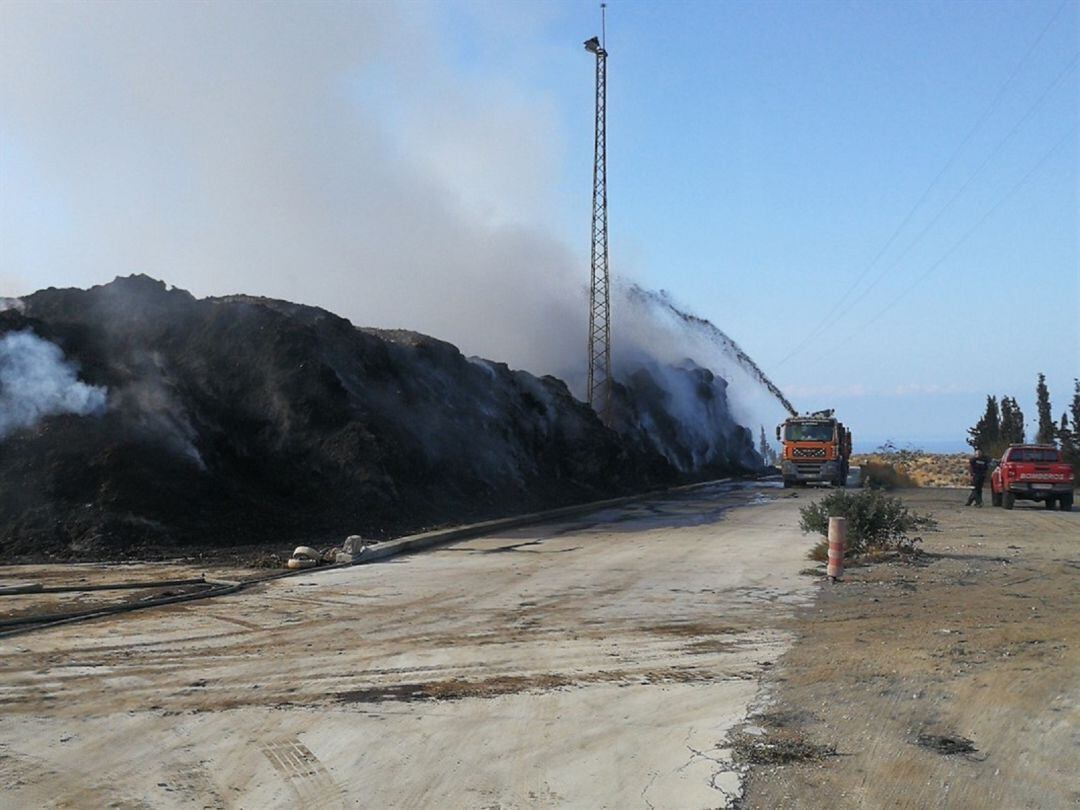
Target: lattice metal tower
599 299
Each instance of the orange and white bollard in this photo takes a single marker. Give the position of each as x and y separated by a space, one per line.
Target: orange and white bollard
837 539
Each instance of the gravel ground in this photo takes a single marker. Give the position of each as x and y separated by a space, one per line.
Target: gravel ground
953 682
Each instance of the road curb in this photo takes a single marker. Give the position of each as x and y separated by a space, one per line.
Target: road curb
419 542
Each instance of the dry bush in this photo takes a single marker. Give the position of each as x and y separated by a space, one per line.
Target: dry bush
875 522
885 475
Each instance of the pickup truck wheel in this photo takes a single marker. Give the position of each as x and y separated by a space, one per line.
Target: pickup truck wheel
1008 500
1049 503
1065 504
995 498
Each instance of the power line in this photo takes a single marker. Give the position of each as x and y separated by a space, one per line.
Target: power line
829 319
967 234
997 148
1016 127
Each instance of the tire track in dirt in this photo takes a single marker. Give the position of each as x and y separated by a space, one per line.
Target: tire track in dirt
305 774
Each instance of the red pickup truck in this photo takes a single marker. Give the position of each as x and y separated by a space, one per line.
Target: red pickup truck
1032 472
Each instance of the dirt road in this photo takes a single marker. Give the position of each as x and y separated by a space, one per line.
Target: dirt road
979 643
596 663
606 662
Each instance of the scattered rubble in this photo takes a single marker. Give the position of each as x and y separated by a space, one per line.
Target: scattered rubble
778 748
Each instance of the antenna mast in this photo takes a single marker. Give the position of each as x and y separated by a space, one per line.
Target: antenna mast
599 299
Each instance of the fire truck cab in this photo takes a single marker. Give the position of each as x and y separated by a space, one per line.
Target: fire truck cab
816 448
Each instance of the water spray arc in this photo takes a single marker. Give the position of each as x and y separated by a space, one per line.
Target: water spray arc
661 301
599 384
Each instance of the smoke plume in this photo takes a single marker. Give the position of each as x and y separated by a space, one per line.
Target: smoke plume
682 411
330 154
333 154
153 410
36 381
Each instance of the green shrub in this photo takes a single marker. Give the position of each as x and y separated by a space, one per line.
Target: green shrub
875 522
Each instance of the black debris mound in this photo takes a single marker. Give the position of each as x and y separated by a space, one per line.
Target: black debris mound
248 422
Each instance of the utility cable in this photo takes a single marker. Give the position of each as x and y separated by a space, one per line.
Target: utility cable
1016 127
997 148
829 318
967 234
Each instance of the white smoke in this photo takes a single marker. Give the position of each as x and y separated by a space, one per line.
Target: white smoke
36 381
152 409
16 304
329 154
333 154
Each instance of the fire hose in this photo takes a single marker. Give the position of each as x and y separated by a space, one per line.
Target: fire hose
217 587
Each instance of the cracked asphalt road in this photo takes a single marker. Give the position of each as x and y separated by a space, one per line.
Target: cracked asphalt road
592 663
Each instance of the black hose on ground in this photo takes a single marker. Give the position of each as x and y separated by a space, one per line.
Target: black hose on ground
25 624
116 586
219 587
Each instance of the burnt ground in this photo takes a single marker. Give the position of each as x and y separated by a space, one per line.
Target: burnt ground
952 682
241 425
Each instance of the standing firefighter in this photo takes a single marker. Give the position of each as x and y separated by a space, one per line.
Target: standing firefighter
978 466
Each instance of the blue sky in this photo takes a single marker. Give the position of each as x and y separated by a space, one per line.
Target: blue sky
762 157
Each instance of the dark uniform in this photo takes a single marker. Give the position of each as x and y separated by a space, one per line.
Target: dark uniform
978 466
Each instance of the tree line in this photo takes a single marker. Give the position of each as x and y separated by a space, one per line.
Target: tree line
1002 424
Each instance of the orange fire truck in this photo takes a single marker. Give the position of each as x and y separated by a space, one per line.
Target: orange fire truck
816 448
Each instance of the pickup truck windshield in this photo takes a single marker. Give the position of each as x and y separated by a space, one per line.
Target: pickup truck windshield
1036 454
812 432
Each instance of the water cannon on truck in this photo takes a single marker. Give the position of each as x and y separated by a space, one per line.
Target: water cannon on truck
815 447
